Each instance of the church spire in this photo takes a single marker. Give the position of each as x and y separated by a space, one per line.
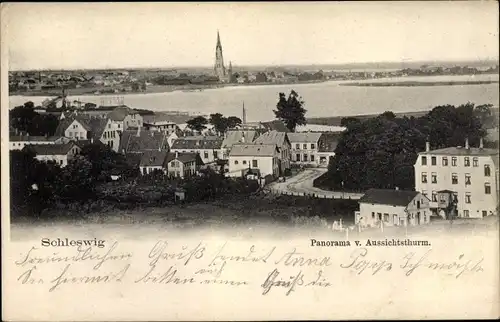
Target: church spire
218 39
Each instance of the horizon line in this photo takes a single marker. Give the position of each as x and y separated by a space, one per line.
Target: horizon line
493 60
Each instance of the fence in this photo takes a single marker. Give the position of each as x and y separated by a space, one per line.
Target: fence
337 195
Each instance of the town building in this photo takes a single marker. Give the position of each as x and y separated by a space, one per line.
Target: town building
304 147
159 122
61 154
280 139
83 127
232 137
263 159
392 208
471 173
208 147
152 161
123 117
183 164
18 142
326 147
137 140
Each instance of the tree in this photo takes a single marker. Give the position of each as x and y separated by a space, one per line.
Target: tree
25 119
105 162
290 110
233 122
219 122
197 124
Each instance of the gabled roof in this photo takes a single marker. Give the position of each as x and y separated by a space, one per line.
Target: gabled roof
388 197
158 118
463 151
153 159
235 137
275 125
263 150
50 149
186 143
308 137
273 137
184 157
146 140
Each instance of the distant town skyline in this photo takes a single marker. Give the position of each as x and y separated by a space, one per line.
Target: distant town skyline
170 35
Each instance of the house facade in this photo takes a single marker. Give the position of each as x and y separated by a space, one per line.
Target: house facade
304 147
470 173
261 158
280 139
152 161
18 142
392 208
61 154
209 148
183 164
123 117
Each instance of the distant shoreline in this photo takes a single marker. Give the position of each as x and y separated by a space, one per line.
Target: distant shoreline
417 83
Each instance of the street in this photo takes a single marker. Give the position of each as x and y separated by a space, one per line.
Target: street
302 183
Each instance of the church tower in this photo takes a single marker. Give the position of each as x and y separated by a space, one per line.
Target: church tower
219 68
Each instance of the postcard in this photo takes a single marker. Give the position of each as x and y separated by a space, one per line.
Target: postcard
250 161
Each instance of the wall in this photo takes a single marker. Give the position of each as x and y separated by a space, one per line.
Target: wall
298 148
76 131
480 201
266 165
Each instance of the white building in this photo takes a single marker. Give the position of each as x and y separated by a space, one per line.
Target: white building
470 173
61 154
123 117
392 208
304 147
280 139
183 165
153 161
18 142
261 158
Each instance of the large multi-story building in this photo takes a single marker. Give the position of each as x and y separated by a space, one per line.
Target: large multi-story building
469 174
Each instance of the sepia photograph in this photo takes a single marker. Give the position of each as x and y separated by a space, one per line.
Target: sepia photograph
250 161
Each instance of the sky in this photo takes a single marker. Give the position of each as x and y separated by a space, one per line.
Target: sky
117 35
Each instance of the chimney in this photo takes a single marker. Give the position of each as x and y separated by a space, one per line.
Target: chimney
481 144
427 146
467 143
176 154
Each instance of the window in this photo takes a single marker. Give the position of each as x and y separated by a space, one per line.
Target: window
235 161
305 157
373 215
75 126
297 157
445 161
216 154
424 177
297 146
442 198
433 161
386 217
487 188
70 134
475 162
466 213
454 161
434 196
118 125
424 160
244 161
304 146
61 162
467 162
254 163
467 197
455 197
312 157
467 179
109 125
434 177
454 178
487 170
485 213
205 155
313 146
